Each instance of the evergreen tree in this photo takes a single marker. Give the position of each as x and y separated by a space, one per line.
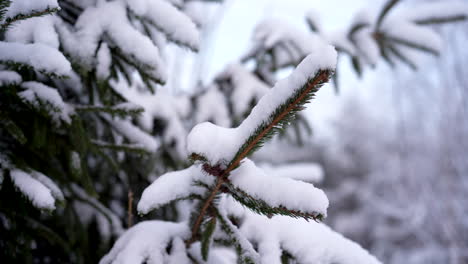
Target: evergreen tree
85 122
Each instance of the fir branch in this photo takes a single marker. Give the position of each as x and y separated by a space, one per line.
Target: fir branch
244 249
35 13
387 7
17 66
402 58
121 110
410 44
440 20
356 28
207 237
146 21
14 130
120 147
278 119
4 4
261 207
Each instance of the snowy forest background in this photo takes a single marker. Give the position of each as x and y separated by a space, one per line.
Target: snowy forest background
102 106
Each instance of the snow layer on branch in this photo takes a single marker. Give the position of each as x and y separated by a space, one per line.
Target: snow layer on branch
219 144
162 105
340 40
111 18
218 255
104 61
411 35
367 46
318 243
34 30
22 7
289 44
247 87
100 209
135 135
176 25
438 10
313 18
37 94
308 172
172 186
9 77
38 193
308 242
212 106
277 192
46 181
147 241
39 56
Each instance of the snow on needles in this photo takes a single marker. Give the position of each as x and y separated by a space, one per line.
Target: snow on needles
39 94
176 25
219 145
27 7
39 56
307 241
147 242
9 77
37 192
279 191
172 186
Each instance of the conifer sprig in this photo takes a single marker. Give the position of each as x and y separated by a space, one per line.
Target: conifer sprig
277 120
35 13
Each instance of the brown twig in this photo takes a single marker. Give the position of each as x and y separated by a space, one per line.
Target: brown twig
222 177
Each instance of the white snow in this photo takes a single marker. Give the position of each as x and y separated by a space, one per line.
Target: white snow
219 144
162 105
308 242
39 56
135 135
9 77
34 30
104 61
38 193
175 24
308 172
212 105
433 10
314 17
111 18
171 186
147 241
246 87
37 93
401 30
367 46
46 181
290 44
26 7
278 191
75 161
98 208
